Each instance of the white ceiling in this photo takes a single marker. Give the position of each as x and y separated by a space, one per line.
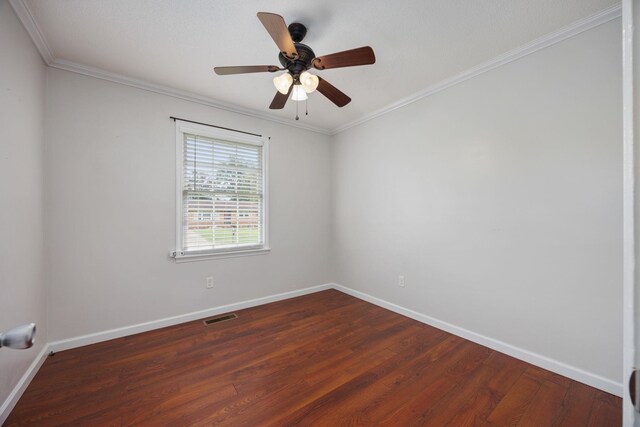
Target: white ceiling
418 43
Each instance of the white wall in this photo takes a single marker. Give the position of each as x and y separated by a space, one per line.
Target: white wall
500 200
22 259
111 216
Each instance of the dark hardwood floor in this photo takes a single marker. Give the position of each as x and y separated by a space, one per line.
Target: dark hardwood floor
323 359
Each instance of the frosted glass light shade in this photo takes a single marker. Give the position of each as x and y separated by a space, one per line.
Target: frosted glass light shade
283 82
309 82
298 93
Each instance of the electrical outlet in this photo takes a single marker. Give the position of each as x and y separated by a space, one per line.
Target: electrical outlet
401 281
209 282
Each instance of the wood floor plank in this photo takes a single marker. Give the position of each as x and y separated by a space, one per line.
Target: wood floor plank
514 404
544 409
545 375
577 405
467 403
482 399
426 395
380 393
605 411
320 359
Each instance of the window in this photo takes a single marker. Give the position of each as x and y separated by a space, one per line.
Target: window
221 197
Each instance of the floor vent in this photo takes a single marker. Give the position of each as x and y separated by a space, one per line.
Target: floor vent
218 319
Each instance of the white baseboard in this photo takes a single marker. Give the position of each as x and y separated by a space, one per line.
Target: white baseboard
80 341
552 365
16 393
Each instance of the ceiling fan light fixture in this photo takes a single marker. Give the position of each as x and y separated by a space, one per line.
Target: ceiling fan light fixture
283 82
298 93
309 82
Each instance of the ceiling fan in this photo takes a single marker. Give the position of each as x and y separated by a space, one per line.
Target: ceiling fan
296 58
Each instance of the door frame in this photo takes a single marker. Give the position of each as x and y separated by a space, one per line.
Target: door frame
631 209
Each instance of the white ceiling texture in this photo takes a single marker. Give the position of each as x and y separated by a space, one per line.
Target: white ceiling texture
419 45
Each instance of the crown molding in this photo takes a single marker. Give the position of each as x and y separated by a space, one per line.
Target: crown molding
177 93
550 39
29 23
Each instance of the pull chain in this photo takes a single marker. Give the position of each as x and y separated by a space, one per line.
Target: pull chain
306 107
297 118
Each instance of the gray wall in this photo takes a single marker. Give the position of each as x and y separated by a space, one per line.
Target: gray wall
500 200
22 257
111 215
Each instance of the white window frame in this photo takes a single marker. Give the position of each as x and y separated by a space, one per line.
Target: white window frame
183 128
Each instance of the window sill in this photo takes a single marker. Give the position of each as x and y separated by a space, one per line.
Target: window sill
218 255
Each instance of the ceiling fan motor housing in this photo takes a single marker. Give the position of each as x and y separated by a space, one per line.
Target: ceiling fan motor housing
300 64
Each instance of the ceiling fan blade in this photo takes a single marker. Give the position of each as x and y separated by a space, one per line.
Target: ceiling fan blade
242 69
279 100
331 92
277 29
347 58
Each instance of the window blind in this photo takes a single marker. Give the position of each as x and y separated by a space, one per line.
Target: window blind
222 194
